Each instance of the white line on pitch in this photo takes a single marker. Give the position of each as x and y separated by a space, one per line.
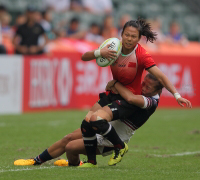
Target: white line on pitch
177 154
40 168
25 169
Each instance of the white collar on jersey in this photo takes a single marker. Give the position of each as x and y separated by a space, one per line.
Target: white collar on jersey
131 51
156 96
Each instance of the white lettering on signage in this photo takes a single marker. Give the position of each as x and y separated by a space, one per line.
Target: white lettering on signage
91 79
180 77
65 82
50 82
187 87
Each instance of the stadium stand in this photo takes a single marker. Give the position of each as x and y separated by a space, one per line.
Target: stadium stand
184 12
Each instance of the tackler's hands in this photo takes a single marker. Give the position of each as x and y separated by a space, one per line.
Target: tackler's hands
110 86
181 101
114 90
107 53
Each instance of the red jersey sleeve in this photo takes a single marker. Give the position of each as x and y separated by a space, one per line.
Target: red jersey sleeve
145 58
148 61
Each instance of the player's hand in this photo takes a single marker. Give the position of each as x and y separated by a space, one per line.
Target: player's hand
114 90
110 85
181 101
107 53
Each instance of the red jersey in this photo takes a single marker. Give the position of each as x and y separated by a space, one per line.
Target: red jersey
128 69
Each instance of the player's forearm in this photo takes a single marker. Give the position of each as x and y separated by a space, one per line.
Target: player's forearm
167 84
123 91
163 79
88 56
131 98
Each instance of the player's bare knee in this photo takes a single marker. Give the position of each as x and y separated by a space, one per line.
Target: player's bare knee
67 139
88 116
93 117
69 147
100 114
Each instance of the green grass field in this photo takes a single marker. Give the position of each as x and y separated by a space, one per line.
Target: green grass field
166 147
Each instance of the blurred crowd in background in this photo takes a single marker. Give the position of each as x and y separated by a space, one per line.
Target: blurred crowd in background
31 25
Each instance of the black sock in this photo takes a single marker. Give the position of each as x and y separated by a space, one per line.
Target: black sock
113 137
90 147
90 141
43 157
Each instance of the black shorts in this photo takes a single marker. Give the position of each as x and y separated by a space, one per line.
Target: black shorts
120 108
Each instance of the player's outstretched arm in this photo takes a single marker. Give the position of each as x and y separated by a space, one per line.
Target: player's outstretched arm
104 52
168 85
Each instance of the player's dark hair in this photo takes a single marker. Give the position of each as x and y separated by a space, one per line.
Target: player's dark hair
158 86
143 27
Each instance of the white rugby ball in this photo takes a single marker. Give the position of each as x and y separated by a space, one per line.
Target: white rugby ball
115 45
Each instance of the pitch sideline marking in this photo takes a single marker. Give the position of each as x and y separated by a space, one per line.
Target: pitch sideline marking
26 169
51 167
156 155
177 154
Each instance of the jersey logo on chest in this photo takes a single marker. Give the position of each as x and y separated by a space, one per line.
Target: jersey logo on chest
121 65
132 64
